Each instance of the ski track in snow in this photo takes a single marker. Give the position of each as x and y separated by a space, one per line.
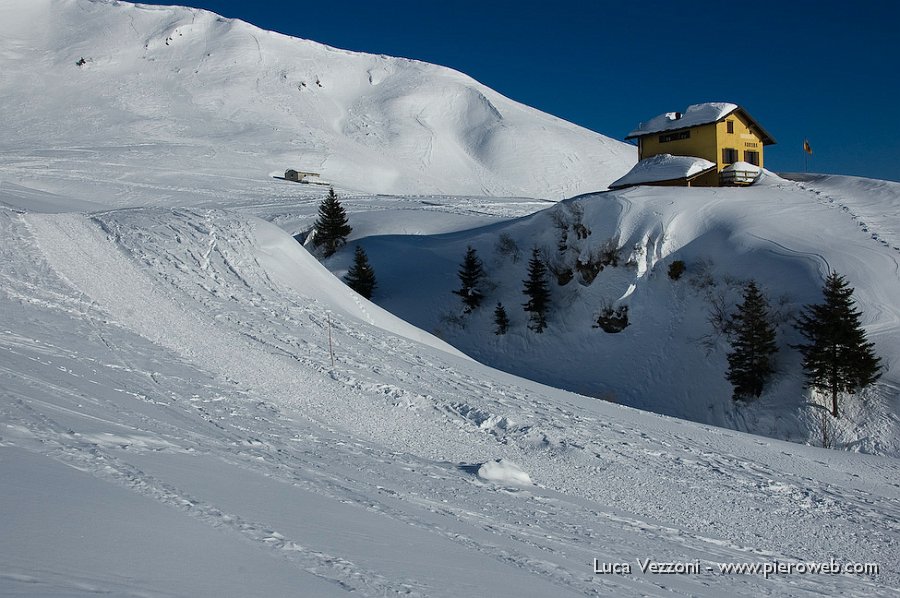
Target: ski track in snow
827 199
606 479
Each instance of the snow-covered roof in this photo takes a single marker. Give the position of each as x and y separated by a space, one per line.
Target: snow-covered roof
697 114
663 167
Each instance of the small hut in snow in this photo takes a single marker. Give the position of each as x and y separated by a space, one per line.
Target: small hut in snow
298 176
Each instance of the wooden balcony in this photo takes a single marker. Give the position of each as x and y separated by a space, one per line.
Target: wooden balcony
737 177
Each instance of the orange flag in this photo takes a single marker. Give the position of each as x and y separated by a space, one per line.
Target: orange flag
806 147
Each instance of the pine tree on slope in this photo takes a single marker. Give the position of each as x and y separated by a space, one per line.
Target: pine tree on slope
470 274
753 345
361 277
501 320
837 357
538 292
332 227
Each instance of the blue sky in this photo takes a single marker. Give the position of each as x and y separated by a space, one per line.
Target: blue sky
823 70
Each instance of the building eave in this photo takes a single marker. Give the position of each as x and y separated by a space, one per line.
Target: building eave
764 135
687 128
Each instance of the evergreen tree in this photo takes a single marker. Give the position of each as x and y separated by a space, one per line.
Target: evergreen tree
501 320
753 345
538 292
837 357
361 277
332 227
470 274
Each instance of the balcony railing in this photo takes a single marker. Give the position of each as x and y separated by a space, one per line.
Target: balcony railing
733 176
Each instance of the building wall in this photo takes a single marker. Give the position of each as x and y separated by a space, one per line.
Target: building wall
701 143
743 139
710 179
708 141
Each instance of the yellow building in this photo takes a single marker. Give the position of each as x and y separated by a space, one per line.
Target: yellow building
715 133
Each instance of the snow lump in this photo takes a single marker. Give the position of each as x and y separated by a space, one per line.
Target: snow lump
505 472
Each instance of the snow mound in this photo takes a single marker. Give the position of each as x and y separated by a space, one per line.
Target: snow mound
504 472
663 167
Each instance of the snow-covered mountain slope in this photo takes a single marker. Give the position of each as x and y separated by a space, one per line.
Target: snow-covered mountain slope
171 424
671 359
132 101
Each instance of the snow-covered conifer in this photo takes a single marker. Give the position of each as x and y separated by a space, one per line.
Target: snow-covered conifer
837 357
361 277
501 320
538 292
471 273
753 345
332 226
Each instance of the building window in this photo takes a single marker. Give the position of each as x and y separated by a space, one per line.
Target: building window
677 136
729 126
729 155
751 157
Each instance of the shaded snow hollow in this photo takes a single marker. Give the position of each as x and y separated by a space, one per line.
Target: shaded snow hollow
670 358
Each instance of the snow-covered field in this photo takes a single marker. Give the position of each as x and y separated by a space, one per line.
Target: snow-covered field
174 423
177 362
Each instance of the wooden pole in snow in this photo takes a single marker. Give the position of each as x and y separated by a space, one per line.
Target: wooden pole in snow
330 343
